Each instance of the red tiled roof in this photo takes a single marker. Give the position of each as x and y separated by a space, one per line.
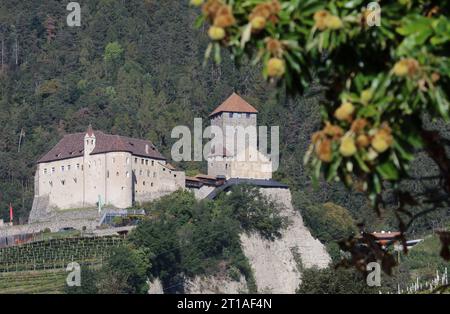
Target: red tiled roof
72 145
234 103
386 235
192 179
205 176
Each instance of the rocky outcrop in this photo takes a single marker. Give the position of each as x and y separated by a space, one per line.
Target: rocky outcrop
275 264
216 284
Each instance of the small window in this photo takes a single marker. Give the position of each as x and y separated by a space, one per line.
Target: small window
92 142
63 182
87 142
107 174
78 166
151 184
68 167
174 175
117 173
146 162
114 160
153 162
142 161
75 180
230 115
140 172
51 183
164 169
135 160
45 170
62 168
248 115
143 182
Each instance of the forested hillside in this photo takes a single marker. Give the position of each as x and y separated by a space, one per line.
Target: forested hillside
134 68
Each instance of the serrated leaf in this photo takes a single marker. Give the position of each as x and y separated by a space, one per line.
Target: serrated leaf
388 171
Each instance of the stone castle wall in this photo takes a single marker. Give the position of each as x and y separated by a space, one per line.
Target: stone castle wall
117 179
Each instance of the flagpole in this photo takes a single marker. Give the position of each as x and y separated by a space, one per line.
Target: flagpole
10 213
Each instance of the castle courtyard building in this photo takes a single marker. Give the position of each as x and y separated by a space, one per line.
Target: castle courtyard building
92 167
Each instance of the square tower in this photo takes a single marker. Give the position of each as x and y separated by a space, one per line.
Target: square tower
236 153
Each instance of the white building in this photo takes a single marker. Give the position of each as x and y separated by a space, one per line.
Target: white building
86 168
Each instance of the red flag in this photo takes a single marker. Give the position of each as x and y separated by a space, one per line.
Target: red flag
10 213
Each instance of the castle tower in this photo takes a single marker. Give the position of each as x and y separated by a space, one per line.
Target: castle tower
237 154
89 141
233 116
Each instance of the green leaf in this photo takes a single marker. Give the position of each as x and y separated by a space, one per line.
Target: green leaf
376 183
388 171
292 62
217 54
199 21
246 34
207 53
332 170
442 103
362 164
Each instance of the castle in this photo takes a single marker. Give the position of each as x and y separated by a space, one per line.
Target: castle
85 169
90 168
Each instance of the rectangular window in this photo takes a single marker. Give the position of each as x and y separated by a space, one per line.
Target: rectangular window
146 162
62 168
230 115
248 115
45 170
68 167
142 161
135 160
78 166
153 163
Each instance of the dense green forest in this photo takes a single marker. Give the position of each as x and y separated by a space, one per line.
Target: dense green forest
136 68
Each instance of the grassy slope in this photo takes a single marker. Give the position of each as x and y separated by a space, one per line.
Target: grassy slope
32 282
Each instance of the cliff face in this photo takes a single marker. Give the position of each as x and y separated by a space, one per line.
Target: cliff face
276 264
